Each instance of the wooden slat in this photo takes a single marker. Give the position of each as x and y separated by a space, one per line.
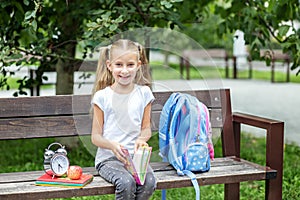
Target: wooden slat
275 54
44 106
211 98
205 53
78 104
223 170
215 119
41 127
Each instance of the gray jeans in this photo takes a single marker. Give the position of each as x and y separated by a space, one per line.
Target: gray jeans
114 172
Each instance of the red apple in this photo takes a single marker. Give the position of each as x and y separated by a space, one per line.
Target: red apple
74 172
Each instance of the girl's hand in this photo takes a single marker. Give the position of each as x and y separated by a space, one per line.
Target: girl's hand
139 143
117 150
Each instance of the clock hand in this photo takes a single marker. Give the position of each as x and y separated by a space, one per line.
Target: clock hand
59 166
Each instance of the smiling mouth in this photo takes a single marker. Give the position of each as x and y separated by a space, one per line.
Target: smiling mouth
124 76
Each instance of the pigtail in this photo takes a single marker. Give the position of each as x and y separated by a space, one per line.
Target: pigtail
143 76
104 77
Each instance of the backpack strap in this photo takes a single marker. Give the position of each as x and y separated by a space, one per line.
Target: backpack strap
164 125
194 182
163 194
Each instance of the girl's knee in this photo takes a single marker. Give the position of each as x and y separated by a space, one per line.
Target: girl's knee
150 184
125 184
150 180
145 191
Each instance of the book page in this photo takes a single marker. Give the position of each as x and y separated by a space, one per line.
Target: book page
141 160
138 165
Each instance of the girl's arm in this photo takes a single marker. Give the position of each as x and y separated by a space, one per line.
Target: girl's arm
97 135
146 128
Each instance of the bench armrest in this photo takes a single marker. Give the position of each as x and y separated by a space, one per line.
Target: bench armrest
274 130
252 120
274 138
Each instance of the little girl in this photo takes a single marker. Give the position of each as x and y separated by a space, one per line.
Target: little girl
121 115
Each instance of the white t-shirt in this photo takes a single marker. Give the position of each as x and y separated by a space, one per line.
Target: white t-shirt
123 114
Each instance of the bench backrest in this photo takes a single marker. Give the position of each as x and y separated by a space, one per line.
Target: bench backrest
69 115
275 54
205 53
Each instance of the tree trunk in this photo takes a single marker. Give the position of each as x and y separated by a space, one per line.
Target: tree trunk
64 78
65 66
67 49
166 59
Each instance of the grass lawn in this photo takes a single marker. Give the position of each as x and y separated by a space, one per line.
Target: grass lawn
160 72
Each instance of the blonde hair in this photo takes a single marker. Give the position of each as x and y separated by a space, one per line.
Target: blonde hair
104 77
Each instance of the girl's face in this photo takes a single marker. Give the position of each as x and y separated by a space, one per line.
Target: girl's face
123 66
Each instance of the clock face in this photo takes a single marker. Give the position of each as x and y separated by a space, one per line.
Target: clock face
59 164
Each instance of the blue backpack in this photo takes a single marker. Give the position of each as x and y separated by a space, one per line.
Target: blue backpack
185 136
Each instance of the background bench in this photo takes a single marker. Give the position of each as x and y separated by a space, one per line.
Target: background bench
211 56
60 116
275 56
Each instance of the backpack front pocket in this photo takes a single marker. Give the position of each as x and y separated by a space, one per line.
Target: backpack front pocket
196 157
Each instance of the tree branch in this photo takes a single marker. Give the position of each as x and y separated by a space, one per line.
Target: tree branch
145 16
270 30
38 55
63 43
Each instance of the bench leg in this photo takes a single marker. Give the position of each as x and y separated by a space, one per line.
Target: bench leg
272 190
234 68
273 71
275 143
288 71
226 67
187 65
232 191
250 69
181 67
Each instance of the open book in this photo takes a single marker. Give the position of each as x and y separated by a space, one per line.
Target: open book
138 165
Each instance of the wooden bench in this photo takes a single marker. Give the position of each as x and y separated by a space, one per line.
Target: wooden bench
68 115
275 56
209 55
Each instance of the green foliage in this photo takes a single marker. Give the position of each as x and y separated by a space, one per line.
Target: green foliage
125 15
263 22
45 33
